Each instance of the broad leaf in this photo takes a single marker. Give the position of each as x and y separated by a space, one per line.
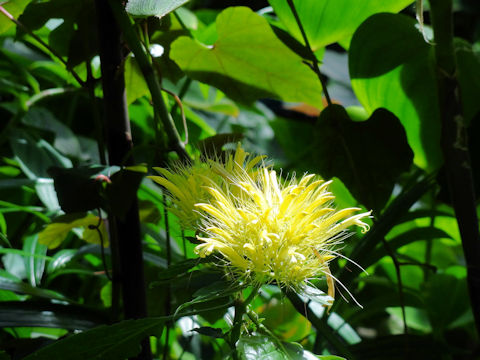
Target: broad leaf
367 156
159 8
35 156
15 8
408 237
445 311
394 69
34 265
248 61
263 347
55 232
43 314
118 341
328 21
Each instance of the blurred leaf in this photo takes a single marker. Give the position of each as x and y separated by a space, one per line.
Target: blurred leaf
35 157
213 145
242 66
135 83
327 22
446 300
148 212
398 347
144 8
34 265
42 314
410 236
46 193
106 294
23 288
55 232
15 8
60 259
65 140
362 154
77 189
416 318
468 75
209 331
391 80
284 320
118 341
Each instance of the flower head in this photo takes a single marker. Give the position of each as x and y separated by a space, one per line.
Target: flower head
188 185
268 231
263 230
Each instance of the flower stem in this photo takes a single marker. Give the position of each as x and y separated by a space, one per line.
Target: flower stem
240 310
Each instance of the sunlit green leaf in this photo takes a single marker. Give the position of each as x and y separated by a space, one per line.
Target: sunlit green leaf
242 66
55 232
401 80
158 8
14 8
326 22
263 347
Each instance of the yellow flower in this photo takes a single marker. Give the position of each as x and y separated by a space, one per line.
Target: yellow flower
186 187
267 231
187 184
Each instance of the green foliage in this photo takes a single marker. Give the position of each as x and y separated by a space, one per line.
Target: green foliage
147 8
239 64
118 341
330 22
391 81
219 75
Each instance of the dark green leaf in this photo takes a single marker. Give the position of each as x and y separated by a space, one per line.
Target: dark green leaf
23 288
410 236
398 347
35 157
77 189
209 331
65 140
392 80
468 74
446 300
367 156
214 291
118 341
41 314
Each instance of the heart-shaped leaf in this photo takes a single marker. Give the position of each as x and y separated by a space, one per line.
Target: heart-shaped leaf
248 61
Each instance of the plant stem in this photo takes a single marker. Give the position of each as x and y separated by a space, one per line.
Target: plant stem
454 146
240 310
148 72
313 57
119 142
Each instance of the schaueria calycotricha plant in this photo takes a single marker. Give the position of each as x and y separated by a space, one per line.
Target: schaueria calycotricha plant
262 229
